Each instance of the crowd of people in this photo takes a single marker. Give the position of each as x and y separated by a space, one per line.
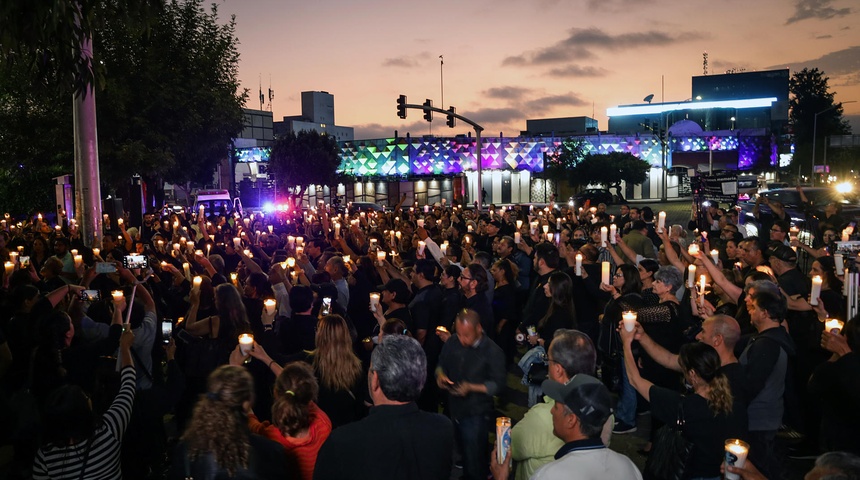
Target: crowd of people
345 344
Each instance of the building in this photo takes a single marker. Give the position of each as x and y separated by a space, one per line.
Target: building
561 127
317 115
246 173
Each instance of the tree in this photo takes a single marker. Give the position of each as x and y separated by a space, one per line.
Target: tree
811 95
559 165
610 169
304 159
172 102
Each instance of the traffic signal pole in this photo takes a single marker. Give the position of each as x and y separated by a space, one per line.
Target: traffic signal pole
452 114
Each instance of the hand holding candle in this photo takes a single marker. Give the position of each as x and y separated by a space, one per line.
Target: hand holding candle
578 264
246 344
736 456
628 319
604 273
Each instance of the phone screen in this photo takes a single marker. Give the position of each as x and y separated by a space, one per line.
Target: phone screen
90 295
105 267
25 261
135 261
326 306
166 330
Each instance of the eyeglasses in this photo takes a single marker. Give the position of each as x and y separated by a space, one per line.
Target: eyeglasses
776 230
619 275
463 277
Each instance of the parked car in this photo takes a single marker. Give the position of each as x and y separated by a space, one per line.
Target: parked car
819 197
365 207
595 196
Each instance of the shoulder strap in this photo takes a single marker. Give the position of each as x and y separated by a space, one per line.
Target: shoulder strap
139 364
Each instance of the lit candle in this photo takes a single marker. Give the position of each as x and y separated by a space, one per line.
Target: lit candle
160 244
374 301
833 325
79 260
336 230
839 263
691 276
208 248
517 237
73 251
613 233
176 247
693 250
421 246
392 236
380 257
117 296
426 208
533 226
291 240
270 305
845 235
96 252
604 272
420 223
196 282
736 456
558 224
628 318
604 232
234 278
291 261
272 228
661 222
20 249
198 253
715 256
13 256
246 344
300 250
10 267
444 248
187 269
398 234
816 290
119 221
549 236
701 290
545 228
578 264
237 242
519 224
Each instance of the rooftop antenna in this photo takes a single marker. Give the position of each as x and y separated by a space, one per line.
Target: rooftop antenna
271 93
262 98
705 62
648 98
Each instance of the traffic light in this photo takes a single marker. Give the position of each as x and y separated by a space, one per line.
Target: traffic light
428 114
401 106
451 120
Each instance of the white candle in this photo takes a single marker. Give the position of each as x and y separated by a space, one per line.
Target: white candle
380 257
426 208
736 456
291 240
833 325
187 269
117 296
519 224
13 257
346 259
517 237
291 261
208 248
374 301
79 260
839 262
420 223
246 343
195 284
604 273
272 228
661 222
176 247
613 233
469 228
558 224
96 252
549 237
234 278
270 305
604 232
300 250
691 276
816 289
545 228
421 246
10 267
715 256
845 235
701 290
628 318
693 250
578 264
237 242
392 237
300 241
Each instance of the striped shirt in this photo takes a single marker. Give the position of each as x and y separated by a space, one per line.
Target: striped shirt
53 462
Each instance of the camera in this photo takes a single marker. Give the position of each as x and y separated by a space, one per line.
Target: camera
166 330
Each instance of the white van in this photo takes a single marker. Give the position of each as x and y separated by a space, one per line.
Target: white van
216 202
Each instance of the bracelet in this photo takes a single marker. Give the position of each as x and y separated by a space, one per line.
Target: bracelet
270 363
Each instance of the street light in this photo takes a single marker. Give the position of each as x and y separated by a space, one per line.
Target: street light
815 134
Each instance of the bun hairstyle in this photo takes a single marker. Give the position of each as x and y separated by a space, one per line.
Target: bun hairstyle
705 361
295 388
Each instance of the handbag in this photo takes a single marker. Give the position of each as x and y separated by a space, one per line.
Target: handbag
671 451
538 372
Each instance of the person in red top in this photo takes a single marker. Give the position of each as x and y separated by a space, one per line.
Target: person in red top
298 423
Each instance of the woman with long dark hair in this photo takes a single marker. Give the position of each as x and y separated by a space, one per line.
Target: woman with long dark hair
561 312
506 305
78 444
297 424
708 413
218 443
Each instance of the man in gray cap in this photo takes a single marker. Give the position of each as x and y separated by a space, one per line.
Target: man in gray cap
581 408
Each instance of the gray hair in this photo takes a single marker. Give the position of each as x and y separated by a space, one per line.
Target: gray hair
401 366
217 262
847 465
671 276
574 351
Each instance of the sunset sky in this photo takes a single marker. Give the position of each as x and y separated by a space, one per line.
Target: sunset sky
506 61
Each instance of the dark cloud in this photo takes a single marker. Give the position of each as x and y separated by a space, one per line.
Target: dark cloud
540 105
496 115
575 71
581 41
822 37
400 62
507 92
820 9
841 63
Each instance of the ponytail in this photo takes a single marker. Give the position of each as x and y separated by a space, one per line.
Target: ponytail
720 396
295 388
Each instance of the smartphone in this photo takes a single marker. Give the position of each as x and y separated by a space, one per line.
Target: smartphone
166 330
105 267
326 306
25 261
90 296
135 261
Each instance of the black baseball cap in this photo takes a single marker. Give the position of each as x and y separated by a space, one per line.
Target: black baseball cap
585 395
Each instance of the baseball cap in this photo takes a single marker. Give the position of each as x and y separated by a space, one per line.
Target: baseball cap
399 288
496 224
585 395
784 253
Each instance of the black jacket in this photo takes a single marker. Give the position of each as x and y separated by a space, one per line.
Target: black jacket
393 441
